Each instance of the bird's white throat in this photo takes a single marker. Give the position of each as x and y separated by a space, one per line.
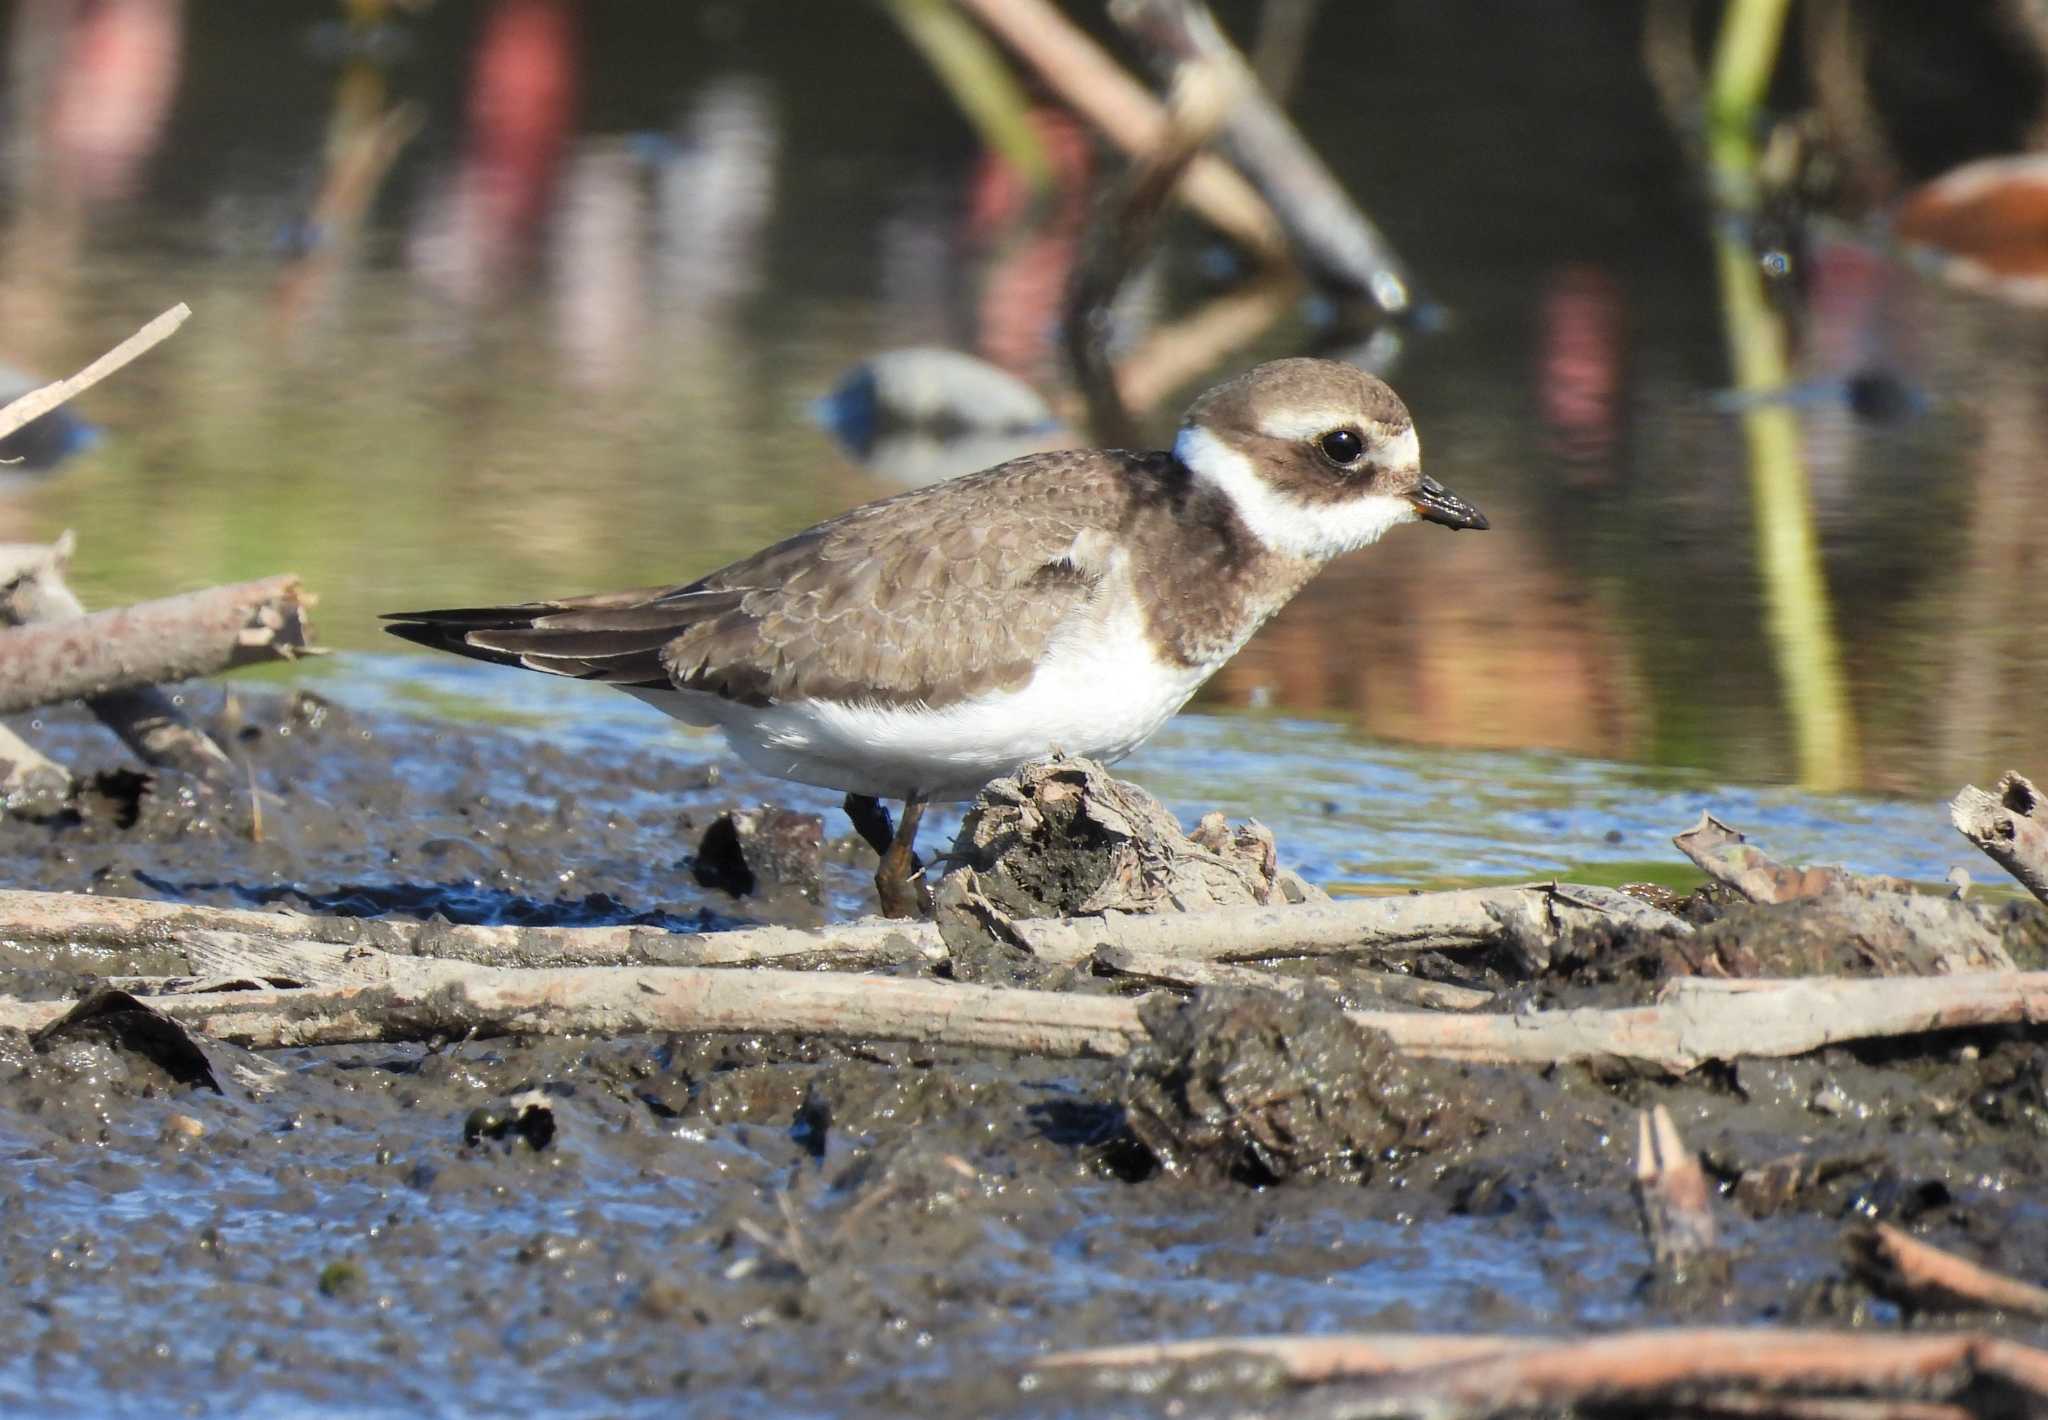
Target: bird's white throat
1285 524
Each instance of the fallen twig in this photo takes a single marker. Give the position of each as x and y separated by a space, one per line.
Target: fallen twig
2009 825
1897 1265
152 643
1078 70
1423 922
38 402
1477 1376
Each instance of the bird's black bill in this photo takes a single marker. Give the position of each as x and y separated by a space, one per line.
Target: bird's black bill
1437 504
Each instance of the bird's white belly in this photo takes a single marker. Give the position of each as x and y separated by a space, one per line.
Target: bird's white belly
1097 694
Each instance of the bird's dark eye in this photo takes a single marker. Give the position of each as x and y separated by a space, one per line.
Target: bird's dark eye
1342 445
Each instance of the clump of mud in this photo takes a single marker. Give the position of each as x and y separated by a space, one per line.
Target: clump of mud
1264 1087
1860 931
1063 838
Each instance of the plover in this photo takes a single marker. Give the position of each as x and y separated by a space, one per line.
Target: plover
917 647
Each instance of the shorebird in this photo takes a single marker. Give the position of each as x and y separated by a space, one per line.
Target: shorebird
917 647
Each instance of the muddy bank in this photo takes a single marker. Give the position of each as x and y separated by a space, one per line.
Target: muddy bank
867 1228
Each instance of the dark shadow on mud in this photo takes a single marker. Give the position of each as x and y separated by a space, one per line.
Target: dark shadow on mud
467 904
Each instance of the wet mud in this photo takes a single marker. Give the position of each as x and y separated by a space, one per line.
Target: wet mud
604 1227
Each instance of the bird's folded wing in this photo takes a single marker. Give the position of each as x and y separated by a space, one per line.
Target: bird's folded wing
932 596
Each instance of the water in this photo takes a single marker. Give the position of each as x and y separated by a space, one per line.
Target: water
1357 815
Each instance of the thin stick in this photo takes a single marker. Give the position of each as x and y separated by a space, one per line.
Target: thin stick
38 402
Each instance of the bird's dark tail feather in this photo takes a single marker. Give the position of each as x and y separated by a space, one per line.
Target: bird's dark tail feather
615 638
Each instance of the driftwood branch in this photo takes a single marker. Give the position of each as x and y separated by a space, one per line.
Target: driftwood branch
151 643
2010 825
33 592
403 998
1424 922
359 993
1081 73
1897 1265
1480 1376
38 402
1337 241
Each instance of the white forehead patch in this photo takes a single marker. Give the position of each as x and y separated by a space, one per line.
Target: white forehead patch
1319 530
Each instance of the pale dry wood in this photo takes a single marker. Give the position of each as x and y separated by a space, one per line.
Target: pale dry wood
1672 1191
33 591
1421 922
152 643
1474 1375
404 998
2010 825
38 402
1898 1265
372 994
1336 240
114 929
1096 86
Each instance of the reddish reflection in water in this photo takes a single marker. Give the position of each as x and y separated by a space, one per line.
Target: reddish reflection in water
1580 351
113 84
520 109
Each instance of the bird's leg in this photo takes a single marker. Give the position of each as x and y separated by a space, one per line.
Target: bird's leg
871 821
896 879
899 881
